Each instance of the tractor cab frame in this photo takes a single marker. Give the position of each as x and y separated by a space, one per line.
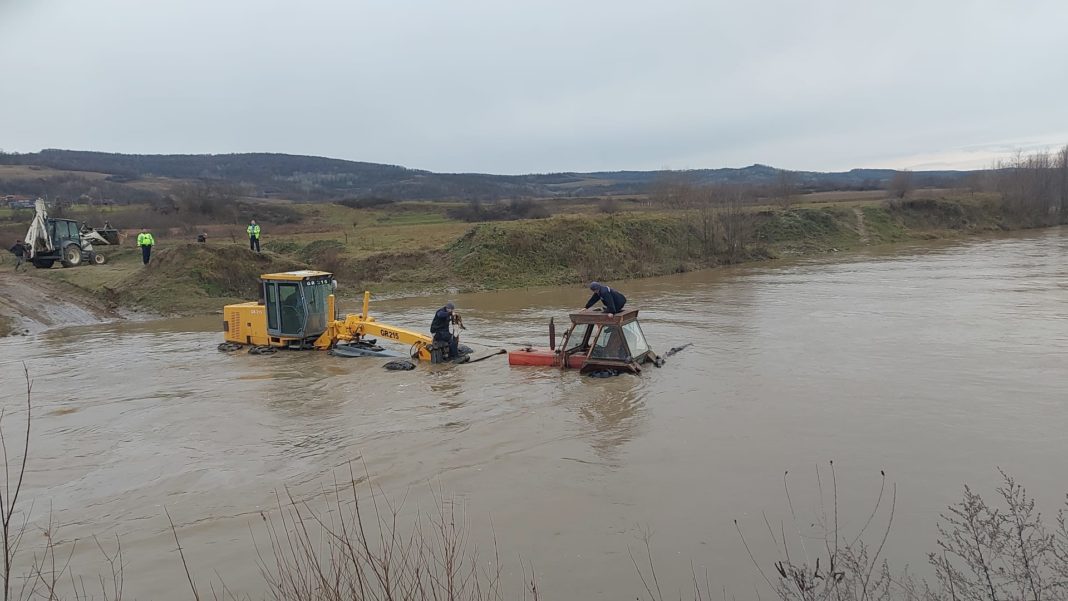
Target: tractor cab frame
594 341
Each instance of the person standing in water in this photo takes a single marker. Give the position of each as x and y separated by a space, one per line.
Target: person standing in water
439 328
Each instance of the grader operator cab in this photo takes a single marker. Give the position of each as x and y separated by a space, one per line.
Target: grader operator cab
292 312
297 310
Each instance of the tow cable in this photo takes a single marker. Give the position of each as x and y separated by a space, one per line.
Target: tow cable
463 359
677 349
662 359
470 361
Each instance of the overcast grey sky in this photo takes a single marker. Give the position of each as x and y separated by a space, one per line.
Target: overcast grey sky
523 86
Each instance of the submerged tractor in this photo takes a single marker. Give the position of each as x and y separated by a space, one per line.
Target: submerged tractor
297 310
595 342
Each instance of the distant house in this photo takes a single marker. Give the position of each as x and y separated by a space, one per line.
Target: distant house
17 201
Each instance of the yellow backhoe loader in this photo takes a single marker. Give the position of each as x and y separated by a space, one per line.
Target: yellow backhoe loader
297 311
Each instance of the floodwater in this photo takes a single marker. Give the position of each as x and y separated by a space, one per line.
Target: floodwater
937 363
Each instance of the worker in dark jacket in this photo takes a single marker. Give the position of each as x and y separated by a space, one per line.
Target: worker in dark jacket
613 300
439 328
20 251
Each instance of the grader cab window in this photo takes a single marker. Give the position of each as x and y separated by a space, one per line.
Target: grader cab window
270 302
296 309
315 293
291 305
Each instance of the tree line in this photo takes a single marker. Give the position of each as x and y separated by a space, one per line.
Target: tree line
1033 187
310 178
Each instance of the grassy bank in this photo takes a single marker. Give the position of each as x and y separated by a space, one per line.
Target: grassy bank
415 248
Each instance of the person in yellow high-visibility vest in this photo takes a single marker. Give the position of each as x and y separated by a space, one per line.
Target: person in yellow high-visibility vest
145 241
253 236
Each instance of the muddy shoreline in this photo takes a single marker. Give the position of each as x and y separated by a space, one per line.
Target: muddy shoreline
190 279
30 305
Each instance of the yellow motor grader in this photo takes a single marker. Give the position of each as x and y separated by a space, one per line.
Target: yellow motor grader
297 311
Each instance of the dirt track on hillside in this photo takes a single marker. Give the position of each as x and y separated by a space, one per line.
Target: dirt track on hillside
30 304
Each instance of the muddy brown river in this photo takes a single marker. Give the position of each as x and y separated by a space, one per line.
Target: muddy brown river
937 363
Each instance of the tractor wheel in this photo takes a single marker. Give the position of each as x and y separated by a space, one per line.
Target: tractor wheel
43 263
72 255
99 259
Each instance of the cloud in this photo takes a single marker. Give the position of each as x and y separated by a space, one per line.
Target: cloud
524 86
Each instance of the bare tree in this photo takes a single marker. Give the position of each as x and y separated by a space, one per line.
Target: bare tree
901 184
1032 187
1062 179
735 221
840 566
706 226
14 471
675 190
784 190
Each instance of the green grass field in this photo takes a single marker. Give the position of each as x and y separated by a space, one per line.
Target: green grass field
411 247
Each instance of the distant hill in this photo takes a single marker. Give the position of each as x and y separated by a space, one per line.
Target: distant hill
317 178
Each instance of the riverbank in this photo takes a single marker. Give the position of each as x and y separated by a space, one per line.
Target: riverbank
190 278
29 305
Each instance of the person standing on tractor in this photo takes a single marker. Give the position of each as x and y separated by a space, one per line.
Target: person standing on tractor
253 230
19 250
145 241
439 328
613 300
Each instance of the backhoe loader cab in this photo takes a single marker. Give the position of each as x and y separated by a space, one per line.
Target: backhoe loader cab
293 311
52 239
66 244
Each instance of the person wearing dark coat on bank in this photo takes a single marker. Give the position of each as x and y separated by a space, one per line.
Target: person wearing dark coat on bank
613 300
20 251
439 328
